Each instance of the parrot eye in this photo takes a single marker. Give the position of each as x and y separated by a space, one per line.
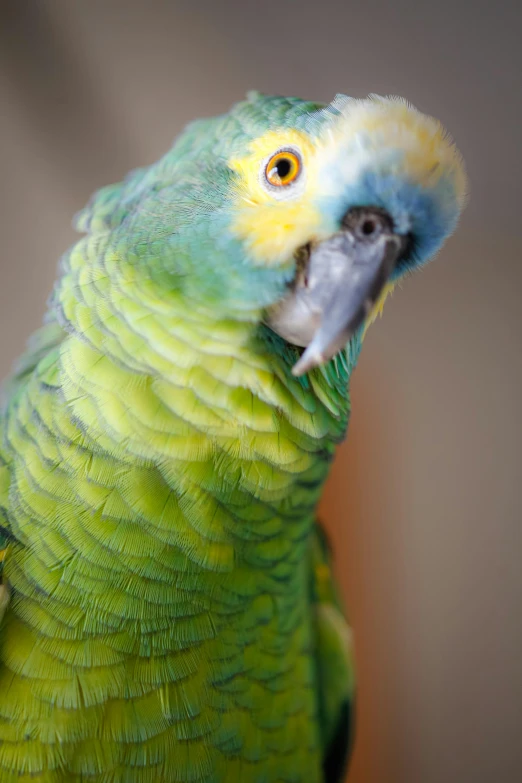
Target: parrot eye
283 168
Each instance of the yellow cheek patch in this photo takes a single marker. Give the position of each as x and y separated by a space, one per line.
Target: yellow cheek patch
274 225
273 232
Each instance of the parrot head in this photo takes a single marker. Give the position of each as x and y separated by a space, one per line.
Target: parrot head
357 194
299 216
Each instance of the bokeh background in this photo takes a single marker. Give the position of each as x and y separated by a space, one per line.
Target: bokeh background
425 500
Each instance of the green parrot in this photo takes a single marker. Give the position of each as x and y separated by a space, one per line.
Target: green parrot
169 613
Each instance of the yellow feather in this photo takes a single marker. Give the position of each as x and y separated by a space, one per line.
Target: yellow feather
274 228
378 307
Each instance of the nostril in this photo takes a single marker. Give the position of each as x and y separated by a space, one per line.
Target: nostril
367 223
369 227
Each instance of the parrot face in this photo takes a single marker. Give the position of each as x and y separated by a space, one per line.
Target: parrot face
294 215
359 194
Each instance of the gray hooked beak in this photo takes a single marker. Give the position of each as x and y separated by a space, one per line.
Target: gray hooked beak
337 285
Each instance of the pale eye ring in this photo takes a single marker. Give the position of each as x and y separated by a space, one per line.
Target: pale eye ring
282 169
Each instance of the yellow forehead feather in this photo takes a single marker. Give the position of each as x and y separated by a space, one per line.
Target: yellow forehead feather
380 124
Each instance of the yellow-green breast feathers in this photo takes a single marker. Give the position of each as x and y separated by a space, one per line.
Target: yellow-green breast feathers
168 611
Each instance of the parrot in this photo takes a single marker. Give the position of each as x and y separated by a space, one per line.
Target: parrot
169 609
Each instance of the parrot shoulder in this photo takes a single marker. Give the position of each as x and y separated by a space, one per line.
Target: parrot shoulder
108 206
40 345
41 351
4 534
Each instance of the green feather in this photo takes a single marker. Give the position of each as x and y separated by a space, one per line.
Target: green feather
167 609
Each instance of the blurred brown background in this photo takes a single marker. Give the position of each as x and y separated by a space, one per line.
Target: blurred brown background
425 500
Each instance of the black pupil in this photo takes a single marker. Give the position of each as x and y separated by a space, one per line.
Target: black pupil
283 168
368 227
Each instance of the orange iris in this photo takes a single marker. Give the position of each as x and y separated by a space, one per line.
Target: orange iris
282 168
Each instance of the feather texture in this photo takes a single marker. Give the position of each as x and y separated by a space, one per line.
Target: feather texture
168 612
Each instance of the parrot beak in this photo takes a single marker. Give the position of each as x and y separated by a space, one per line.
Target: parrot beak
336 286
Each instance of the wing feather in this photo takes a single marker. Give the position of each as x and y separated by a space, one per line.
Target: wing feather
335 663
